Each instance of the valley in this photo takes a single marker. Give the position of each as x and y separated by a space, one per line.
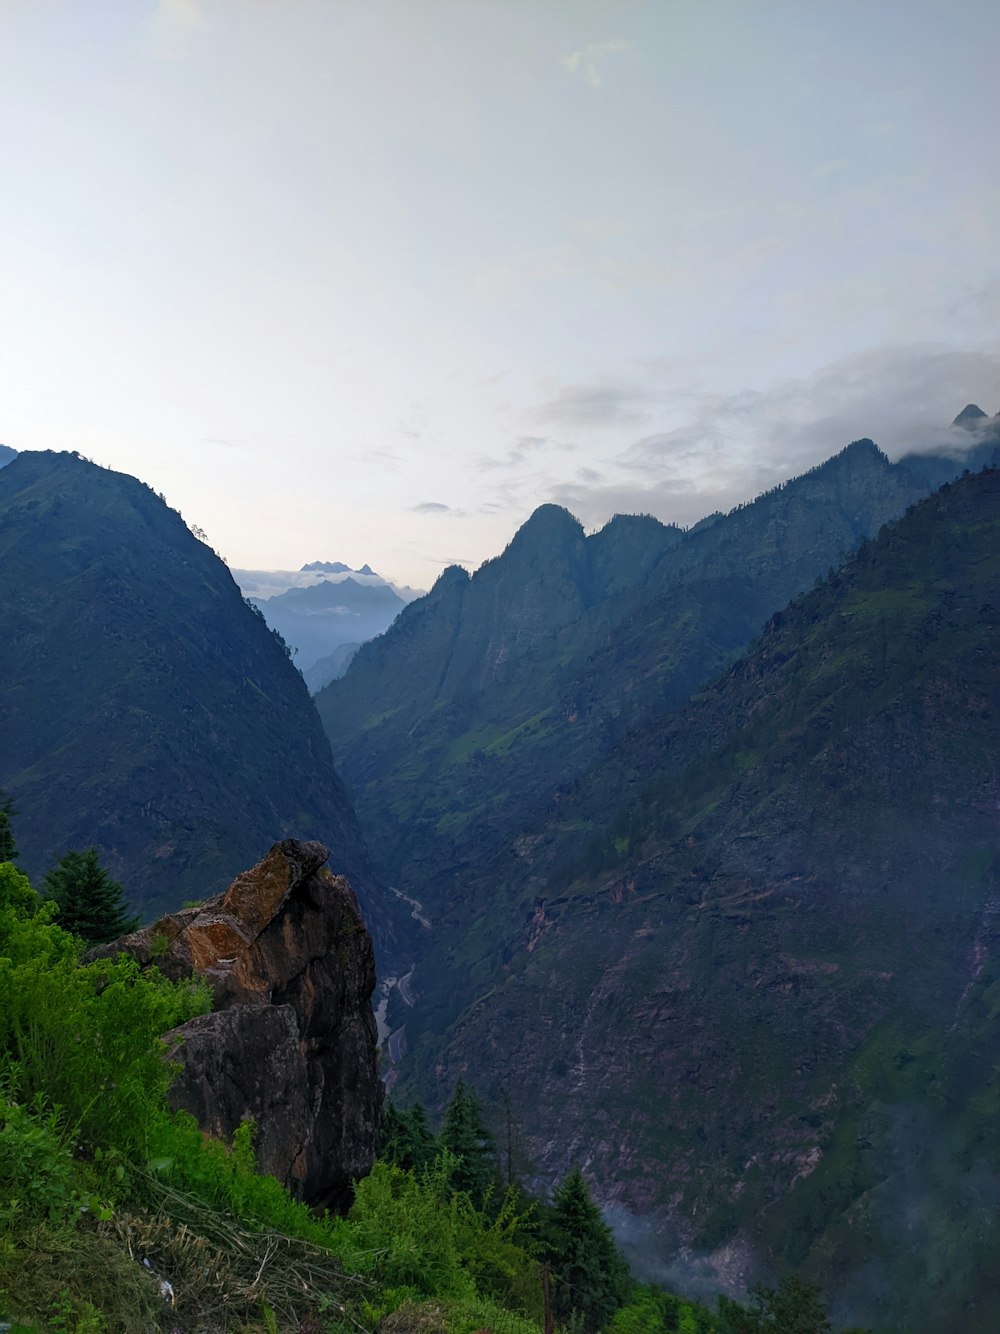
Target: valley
678 846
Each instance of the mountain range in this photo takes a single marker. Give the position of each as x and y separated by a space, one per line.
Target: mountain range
490 694
324 612
749 963
692 834
732 939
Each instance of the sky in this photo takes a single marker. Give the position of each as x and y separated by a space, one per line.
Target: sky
369 281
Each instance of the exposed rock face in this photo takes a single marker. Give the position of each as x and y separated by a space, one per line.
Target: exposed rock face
291 1041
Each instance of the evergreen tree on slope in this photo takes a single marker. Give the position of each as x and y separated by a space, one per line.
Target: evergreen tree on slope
8 848
405 1138
91 904
465 1135
591 1278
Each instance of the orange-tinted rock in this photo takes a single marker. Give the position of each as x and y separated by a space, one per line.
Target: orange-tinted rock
291 1041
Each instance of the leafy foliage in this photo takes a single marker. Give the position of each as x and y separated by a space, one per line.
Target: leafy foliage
406 1139
95 1169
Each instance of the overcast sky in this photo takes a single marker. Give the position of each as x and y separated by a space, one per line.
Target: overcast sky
369 281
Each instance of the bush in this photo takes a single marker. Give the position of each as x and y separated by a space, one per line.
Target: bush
85 1037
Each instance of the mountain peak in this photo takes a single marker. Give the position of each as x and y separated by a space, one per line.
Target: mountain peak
327 567
451 574
548 527
551 516
859 447
863 453
970 416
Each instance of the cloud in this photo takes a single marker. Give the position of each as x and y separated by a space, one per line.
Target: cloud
729 447
172 25
587 60
599 405
520 453
388 460
416 421
431 507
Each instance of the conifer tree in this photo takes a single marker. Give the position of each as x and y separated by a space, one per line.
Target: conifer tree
405 1138
8 848
91 904
794 1307
591 1278
465 1135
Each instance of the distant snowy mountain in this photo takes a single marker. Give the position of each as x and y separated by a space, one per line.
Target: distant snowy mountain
322 607
270 583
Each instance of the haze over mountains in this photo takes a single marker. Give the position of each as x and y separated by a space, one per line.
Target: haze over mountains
747 963
324 612
679 921
493 691
689 837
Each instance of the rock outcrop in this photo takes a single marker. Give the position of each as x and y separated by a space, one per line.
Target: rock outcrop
291 1041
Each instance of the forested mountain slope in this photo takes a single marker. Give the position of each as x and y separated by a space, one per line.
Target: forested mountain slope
750 965
489 694
146 709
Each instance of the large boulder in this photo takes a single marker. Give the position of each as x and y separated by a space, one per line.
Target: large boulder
291 1041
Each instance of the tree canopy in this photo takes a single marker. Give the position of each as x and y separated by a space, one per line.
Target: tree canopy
592 1278
90 903
793 1307
406 1139
465 1135
8 847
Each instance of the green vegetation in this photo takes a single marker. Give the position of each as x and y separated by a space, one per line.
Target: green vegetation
592 1277
117 1214
465 1135
88 903
8 847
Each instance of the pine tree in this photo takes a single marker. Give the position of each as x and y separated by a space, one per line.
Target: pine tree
8 848
591 1278
91 904
405 1138
464 1134
794 1307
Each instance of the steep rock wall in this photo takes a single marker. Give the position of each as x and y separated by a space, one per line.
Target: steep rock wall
291 1041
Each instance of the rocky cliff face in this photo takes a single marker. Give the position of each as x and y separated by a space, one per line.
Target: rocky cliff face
754 982
486 698
291 1041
